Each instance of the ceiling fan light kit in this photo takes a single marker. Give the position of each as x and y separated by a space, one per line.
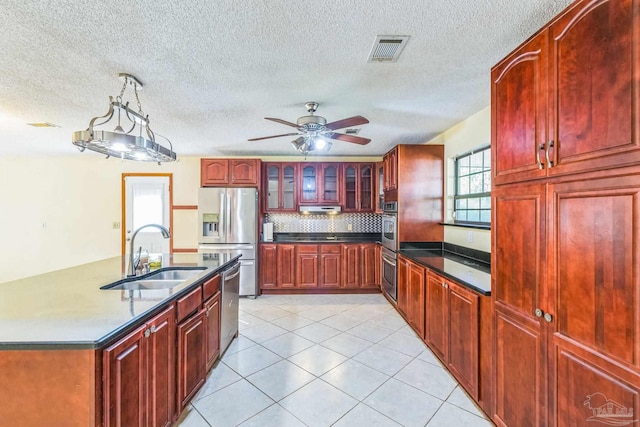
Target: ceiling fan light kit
314 132
138 142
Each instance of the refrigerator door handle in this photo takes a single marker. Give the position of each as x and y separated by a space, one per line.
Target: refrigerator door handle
228 213
223 219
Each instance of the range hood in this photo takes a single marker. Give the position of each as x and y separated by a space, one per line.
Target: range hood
319 210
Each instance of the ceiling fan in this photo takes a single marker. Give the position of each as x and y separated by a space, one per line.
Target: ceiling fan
315 132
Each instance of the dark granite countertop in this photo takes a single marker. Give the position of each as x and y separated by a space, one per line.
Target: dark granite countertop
471 272
325 238
67 308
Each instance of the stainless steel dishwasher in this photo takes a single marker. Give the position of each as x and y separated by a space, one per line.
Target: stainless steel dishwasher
229 306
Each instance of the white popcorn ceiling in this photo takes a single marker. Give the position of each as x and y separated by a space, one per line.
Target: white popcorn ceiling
213 70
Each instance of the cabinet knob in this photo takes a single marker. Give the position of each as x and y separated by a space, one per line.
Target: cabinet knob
548 318
538 312
153 329
444 285
147 332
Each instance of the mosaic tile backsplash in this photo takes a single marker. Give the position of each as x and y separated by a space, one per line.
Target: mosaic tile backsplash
297 223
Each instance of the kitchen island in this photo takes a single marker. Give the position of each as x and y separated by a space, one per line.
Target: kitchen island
56 327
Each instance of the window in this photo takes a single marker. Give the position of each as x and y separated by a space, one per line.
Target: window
472 201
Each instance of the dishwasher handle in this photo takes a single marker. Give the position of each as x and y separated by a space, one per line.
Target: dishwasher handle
231 273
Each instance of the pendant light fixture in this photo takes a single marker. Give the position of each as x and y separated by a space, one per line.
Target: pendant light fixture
136 142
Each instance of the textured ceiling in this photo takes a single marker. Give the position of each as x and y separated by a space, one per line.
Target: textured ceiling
213 70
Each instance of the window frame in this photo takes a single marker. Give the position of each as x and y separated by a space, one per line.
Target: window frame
472 196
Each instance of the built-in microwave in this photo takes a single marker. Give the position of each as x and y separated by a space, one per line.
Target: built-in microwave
389 231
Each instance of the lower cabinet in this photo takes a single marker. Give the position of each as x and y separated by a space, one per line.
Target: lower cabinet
411 293
452 329
320 267
192 356
139 375
145 382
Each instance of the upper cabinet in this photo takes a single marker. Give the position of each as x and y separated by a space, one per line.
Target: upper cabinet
320 183
358 185
567 100
229 172
390 167
280 185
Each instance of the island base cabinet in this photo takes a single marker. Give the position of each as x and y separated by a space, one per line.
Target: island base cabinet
139 385
192 357
66 380
212 314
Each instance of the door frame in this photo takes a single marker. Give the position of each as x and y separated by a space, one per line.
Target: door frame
124 204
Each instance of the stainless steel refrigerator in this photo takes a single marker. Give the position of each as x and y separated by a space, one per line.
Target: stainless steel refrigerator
228 224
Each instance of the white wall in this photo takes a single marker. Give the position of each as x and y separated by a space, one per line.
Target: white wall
79 197
57 212
471 133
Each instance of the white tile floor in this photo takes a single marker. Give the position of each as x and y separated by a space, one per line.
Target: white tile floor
328 360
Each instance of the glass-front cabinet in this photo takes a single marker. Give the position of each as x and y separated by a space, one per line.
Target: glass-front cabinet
280 187
309 178
358 187
330 193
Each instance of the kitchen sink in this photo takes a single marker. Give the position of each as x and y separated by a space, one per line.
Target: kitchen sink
143 285
166 278
173 275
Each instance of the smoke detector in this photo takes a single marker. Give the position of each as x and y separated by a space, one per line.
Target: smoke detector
387 48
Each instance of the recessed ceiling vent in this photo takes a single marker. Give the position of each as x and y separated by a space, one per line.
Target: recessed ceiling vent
387 48
352 131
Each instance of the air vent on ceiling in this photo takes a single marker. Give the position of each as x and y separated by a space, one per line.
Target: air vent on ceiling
43 125
352 131
387 48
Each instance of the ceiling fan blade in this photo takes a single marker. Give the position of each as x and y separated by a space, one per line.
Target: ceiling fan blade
273 136
348 138
284 122
345 123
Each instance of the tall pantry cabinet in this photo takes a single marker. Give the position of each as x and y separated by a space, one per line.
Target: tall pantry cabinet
566 221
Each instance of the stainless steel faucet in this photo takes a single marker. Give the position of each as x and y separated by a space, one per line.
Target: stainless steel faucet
165 234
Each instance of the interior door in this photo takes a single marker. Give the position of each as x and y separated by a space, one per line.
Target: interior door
147 201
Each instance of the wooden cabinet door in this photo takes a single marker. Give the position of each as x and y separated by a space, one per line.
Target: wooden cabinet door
594 297
463 337
366 187
379 180
403 285
370 262
331 181
437 327
378 262
289 185
596 87
268 266
192 357
309 191
330 266
212 318
416 296
350 191
272 187
162 368
214 172
124 390
518 286
244 171
351 265
307 266
392 163
285 266
519 113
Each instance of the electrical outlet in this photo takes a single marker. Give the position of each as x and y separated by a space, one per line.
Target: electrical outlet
470 236
349 227
44 224
116 225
